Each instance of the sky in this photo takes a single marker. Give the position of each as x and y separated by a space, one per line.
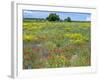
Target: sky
43 14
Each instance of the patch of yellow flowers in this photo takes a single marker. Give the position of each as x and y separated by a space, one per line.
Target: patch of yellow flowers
75 38
30 37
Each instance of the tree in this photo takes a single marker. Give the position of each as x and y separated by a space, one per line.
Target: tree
53 17
68 19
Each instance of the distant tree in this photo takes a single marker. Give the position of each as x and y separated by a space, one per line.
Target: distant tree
53 17
68 19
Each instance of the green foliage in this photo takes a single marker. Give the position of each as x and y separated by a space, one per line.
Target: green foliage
53 17
68 19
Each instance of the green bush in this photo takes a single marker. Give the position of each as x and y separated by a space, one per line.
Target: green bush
53 17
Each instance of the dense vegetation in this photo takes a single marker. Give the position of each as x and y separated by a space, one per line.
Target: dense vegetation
53 44
53 17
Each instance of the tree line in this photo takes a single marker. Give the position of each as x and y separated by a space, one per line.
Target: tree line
51 17
55 17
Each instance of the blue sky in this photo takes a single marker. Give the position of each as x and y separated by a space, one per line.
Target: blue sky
62 15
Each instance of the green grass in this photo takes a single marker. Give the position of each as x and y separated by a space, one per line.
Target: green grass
56 44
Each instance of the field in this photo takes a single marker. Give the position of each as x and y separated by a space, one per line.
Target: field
56 44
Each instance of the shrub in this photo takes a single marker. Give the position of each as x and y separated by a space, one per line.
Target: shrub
53 17
68 19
